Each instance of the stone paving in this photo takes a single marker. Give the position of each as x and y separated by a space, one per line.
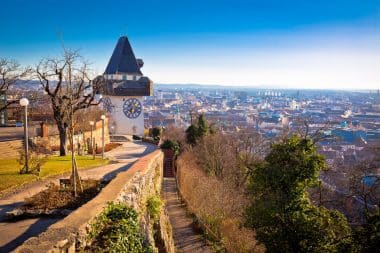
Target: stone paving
13 234
185 238
13 133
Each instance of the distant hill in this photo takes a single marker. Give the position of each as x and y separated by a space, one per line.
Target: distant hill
35 85
248 89
27 85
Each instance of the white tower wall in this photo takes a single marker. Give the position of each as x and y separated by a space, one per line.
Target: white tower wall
121 123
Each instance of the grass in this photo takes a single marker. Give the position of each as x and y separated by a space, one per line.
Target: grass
10 177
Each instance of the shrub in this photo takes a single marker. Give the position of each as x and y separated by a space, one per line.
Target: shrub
117 230
367 236
169 144
194 133
202 126
41 146
191 134
156 132
107 147
154 205
150 140
54 148
35 162
280 210
136 137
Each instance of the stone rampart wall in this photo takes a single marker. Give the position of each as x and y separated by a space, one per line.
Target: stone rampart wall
133 187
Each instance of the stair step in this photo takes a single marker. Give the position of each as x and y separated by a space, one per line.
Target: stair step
10 149
168 163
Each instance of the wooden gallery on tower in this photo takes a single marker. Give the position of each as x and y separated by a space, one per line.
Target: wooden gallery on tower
124 89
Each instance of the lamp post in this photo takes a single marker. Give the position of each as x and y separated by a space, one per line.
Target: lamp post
91 140
24 102
112 133
103 117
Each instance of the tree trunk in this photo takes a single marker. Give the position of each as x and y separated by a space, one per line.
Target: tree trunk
62 140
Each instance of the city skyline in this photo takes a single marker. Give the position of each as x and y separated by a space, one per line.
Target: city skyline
247 43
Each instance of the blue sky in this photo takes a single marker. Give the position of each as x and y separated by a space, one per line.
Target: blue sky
274 43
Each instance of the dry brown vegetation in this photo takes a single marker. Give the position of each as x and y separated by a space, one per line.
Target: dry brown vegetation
108 147
55 197
214 190
175 134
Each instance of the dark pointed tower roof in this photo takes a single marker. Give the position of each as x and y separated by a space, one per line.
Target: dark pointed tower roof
123 59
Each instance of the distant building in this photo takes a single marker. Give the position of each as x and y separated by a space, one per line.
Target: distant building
125 86
294 105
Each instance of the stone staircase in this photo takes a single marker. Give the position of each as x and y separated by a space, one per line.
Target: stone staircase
186 239
168 163
10 149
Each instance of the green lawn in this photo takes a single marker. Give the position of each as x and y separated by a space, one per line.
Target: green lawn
9 169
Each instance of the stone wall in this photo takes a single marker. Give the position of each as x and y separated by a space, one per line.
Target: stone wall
52 140
133 187
11 149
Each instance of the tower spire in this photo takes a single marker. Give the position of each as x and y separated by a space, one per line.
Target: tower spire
123 59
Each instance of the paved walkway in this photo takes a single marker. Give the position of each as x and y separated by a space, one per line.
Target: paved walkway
14 233
185 238
13 133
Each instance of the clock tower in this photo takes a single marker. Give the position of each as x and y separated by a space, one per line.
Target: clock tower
124 89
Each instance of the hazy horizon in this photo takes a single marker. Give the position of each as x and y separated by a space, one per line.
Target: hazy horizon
264 87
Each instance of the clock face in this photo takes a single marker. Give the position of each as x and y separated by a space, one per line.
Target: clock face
132 108
107 105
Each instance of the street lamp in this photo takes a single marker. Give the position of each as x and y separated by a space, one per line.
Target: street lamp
92 141
103 117
98 97
112 132
24 102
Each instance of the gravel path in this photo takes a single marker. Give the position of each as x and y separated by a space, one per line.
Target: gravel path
185 238
13 234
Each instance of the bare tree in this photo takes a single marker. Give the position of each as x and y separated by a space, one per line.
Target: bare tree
252 148
175 134
303 128
83 117
10 73
364 182
66 81
353 189
216 154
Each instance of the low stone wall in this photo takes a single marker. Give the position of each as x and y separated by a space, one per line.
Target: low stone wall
133 187
52 140
11 149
